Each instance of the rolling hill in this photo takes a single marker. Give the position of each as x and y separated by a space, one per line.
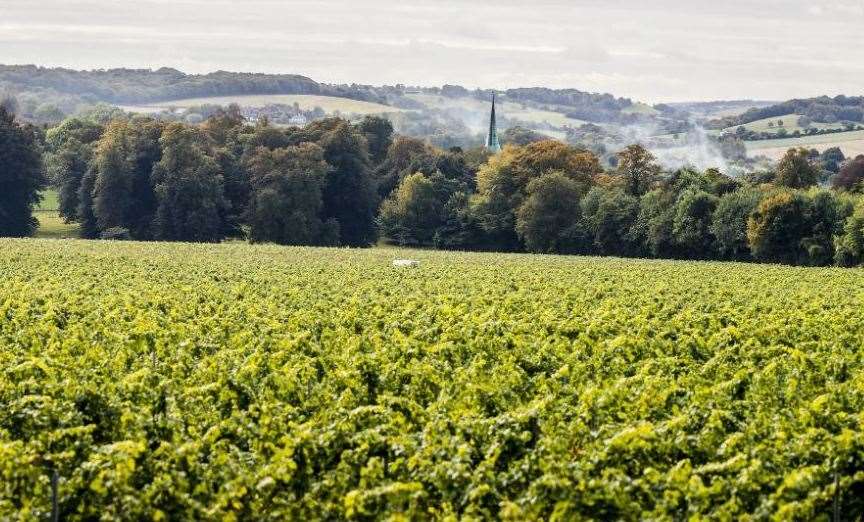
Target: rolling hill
330 104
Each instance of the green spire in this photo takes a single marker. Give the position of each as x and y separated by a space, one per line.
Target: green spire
492 143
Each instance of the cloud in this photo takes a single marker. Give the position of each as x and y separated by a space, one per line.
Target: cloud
664 50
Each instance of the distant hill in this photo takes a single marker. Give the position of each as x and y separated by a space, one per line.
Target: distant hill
823 109
62 90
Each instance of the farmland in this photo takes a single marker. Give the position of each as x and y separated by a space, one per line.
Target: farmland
790 125
851 143
179 381
329 104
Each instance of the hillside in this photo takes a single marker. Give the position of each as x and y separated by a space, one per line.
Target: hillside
851 143
320 383
43 93
823 108
306 102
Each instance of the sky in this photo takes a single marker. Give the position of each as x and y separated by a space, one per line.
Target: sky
648 50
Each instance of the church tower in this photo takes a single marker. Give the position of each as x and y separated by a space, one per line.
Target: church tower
492 143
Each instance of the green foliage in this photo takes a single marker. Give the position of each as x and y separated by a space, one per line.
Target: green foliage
70 152
796 227
123 162
795 170
21 177
286 202
521 136
245 382
638 170
851 176
417 212
502 182
412 214
729 223
691 225
349 192
188 187
608 217
850 244
378 132
548 219
652 230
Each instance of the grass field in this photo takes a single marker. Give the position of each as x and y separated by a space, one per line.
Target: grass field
851 143
508 109
236 382
51 225
790 124
329 104
641 108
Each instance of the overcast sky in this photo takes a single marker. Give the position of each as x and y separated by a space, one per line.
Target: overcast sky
653 50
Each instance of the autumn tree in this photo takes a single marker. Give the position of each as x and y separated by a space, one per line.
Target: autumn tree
638 170
796 170
502 182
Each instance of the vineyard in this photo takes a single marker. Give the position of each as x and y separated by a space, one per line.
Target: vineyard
236 382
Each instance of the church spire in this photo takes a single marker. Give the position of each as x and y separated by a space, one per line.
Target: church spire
492 143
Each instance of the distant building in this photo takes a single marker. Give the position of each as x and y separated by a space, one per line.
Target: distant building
492 143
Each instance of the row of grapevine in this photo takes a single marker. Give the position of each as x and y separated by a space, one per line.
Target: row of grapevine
236 382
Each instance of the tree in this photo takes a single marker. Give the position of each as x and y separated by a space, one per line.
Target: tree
777 227
652 230
850 244
412 214
832 159
503 180
224 126
638 170
796 170
123 162
691 226
729 225
827 213
349 193
415 212
21 177
85 214
188 187
286 197
400 162
9 103
851 176
70 151
608 216
548 218
459 228
378 132
521 136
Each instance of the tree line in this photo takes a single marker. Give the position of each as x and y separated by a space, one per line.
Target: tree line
337 183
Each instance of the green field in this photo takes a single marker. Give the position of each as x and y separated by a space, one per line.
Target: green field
235 382
329 104
641 108
851 143
790 124
51 225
